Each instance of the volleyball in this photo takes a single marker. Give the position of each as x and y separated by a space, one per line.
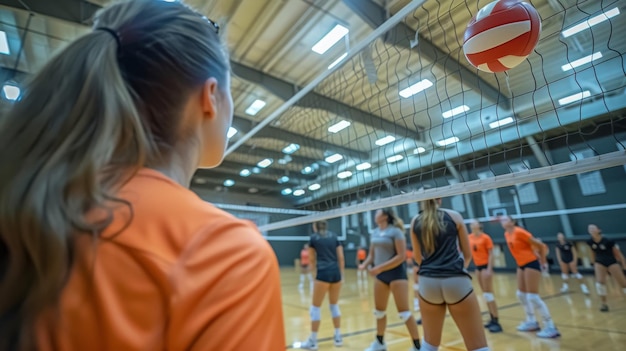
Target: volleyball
501 35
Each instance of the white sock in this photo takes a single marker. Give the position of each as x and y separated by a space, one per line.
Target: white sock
428 347
337 332
314 336
528 308
543 310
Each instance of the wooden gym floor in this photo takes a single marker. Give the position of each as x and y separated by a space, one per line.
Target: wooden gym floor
582 325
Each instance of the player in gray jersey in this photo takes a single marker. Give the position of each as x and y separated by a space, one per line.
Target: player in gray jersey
436 235
388 254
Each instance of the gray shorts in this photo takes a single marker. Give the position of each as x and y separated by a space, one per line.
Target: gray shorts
445 291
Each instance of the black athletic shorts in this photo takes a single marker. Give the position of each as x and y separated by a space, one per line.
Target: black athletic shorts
606 263
481 267
567 260
396 273
329 275
532 265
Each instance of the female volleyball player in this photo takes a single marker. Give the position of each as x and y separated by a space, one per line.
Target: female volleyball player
605 255
524 248
304 267
361 255
567 256
387 253
437 235
326 254
481 246
101 243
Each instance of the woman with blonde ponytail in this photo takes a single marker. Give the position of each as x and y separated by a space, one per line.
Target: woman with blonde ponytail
436 236
388 255
102 245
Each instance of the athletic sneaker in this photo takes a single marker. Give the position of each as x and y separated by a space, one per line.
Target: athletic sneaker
309 345
549 333
376 346
604 308
528 326
584 289
495 328
488 324
338 340
564 288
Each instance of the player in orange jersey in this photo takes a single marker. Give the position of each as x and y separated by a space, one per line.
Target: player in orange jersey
305 270
102 244
361 255
482 254
523 247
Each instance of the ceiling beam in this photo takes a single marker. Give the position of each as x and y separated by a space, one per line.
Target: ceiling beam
215 176
244 125
76 11
285 90
276 155
401 35
274 173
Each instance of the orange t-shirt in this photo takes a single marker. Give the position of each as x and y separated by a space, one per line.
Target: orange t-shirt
409 254
183 275
480 246
520 247
361 254
304 257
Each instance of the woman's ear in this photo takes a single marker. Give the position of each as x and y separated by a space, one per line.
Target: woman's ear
209 97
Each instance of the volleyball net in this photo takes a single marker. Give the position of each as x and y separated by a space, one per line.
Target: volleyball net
404 109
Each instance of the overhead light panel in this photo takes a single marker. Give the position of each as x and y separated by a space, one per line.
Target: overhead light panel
448 141
330 39
11 92
4 43
416 88
286 191
363 166
339 126
419 150
283 180
333 158
291 148
256 170
245 172
308 170
574 97
256 106
455 111
394 158
265 163
338 60
314 187
581 61
385 140
344 174
501 122
231 132
229 182
298 192
604 16
285 160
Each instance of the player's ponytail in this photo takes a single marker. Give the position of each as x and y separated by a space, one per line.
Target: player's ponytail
430 223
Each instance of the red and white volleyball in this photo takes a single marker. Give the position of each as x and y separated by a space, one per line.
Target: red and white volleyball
501 35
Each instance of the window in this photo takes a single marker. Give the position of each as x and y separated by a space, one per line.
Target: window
591 183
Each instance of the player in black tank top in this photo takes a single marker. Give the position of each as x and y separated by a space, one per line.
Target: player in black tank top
605 254
437 235
568 261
